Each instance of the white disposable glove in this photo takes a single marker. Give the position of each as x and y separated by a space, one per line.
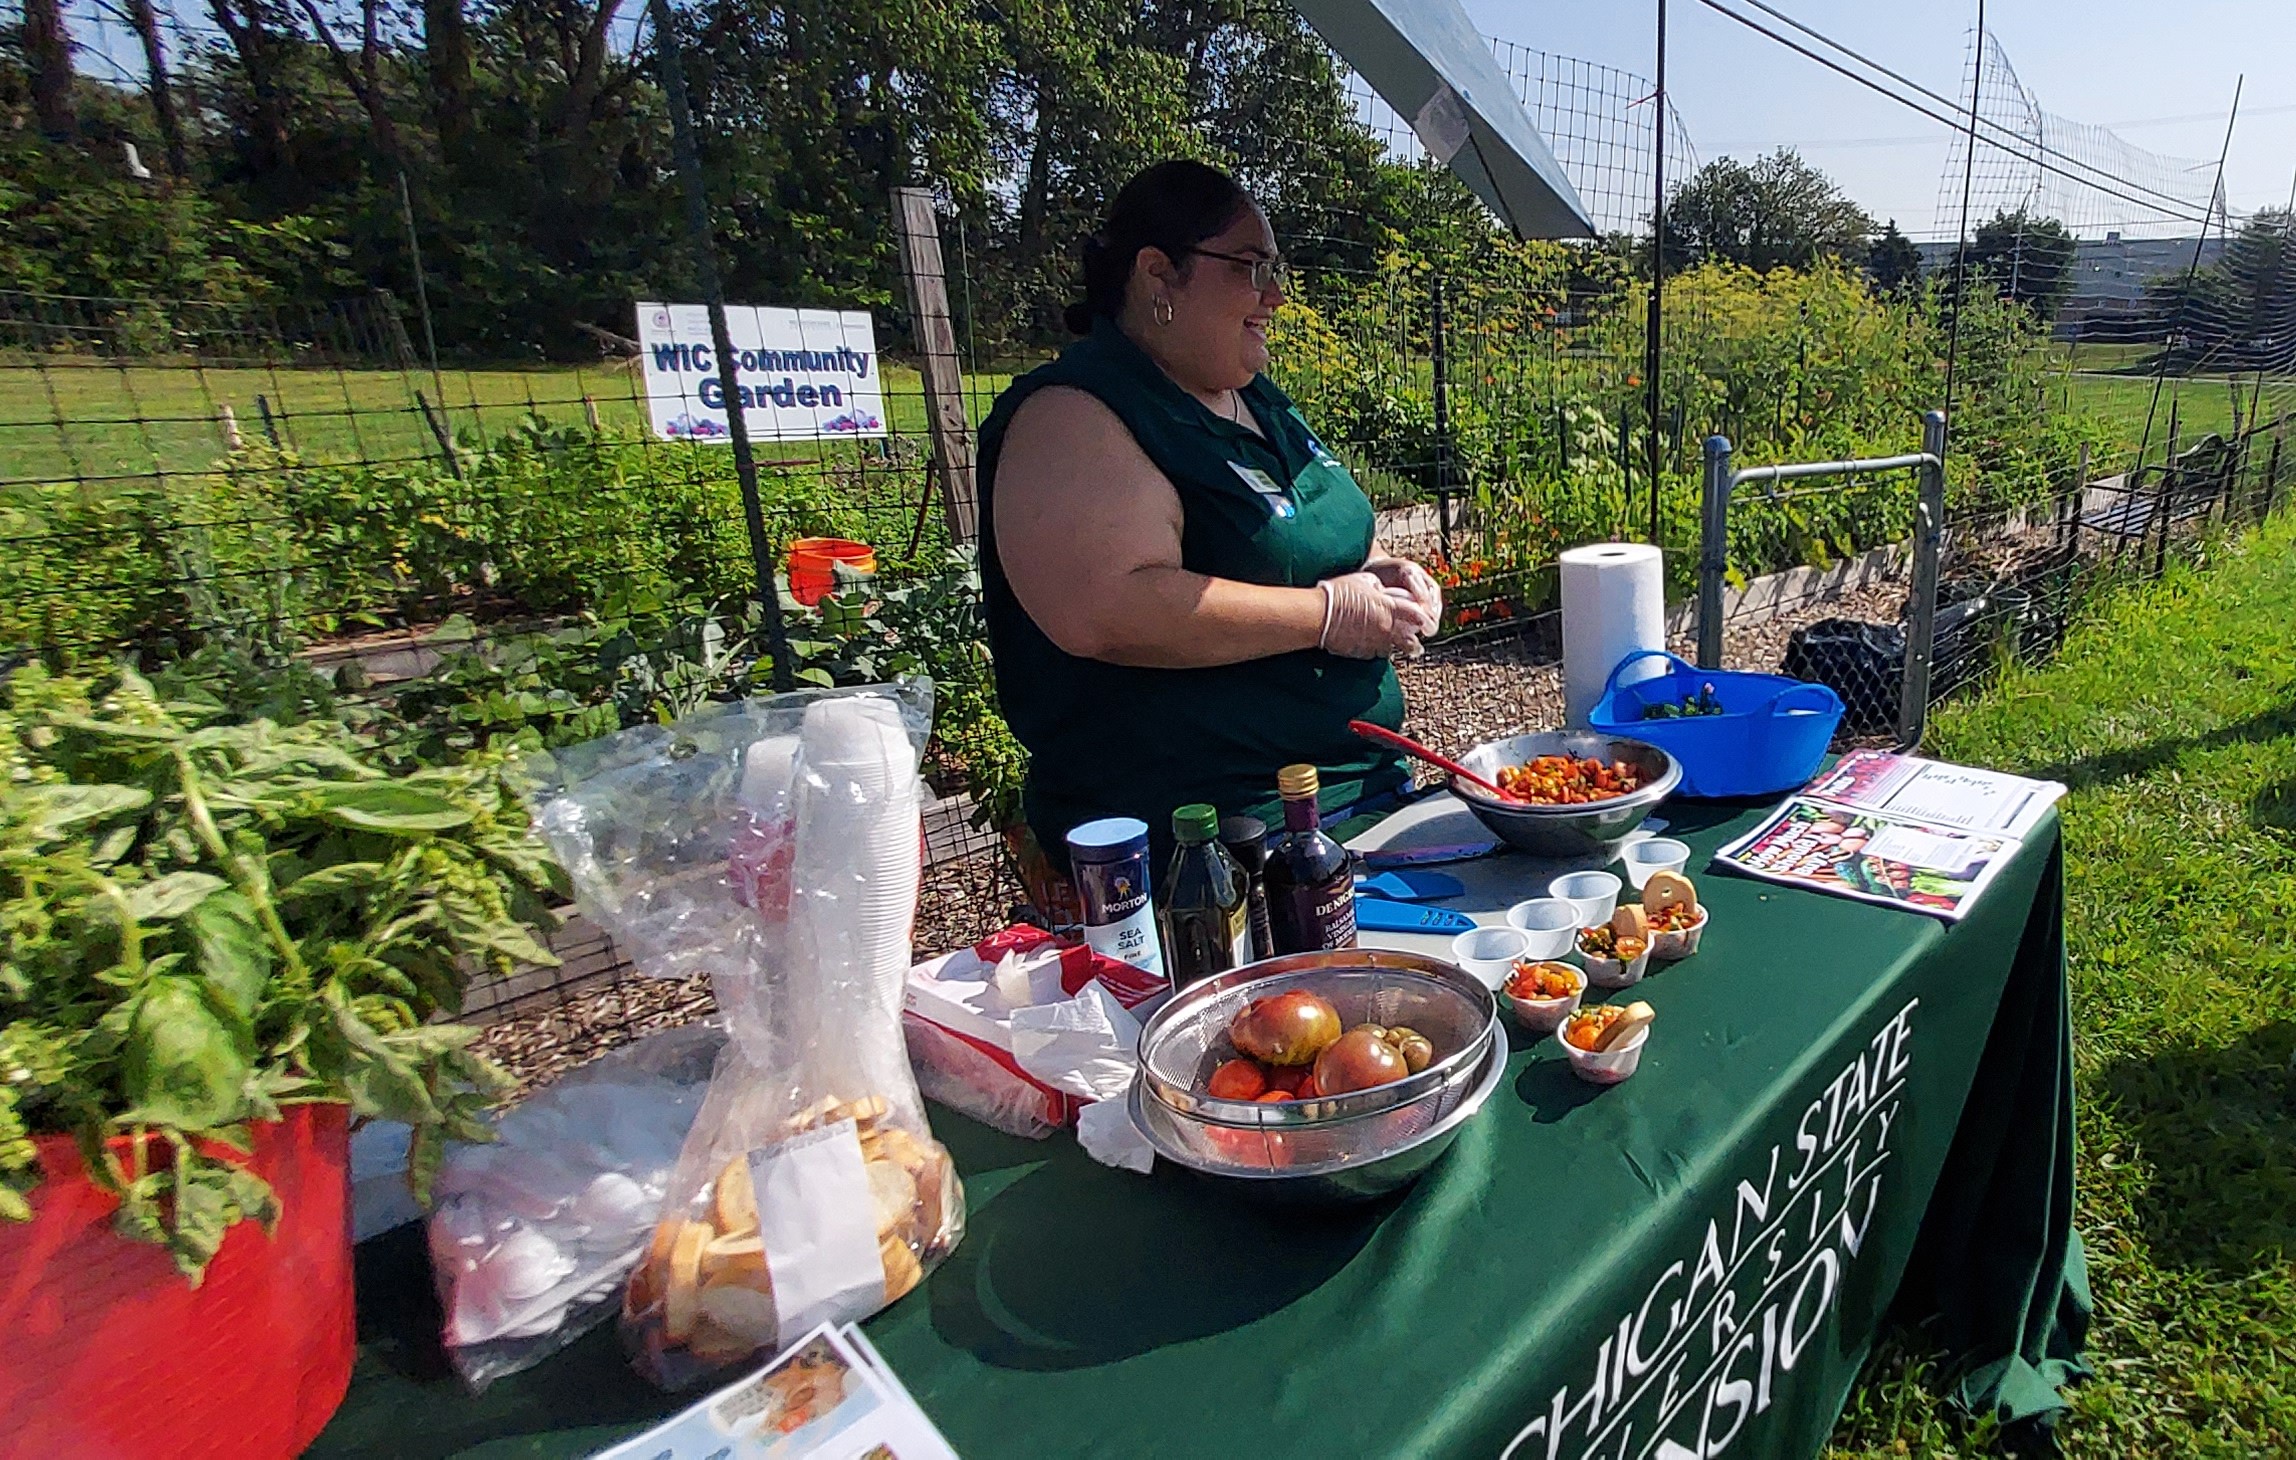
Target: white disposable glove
1363 620
1402 573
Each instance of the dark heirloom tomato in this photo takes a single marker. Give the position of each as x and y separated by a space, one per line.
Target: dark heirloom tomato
1285 1029
1359 1061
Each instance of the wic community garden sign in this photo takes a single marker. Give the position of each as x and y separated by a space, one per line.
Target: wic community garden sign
803 374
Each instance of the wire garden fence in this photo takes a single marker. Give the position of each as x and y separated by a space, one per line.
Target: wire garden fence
469 556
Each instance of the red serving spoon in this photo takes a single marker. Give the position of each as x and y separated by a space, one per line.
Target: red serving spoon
1384 736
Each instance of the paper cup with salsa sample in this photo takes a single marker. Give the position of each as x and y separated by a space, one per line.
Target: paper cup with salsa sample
1617 953
1543 993
1621 1056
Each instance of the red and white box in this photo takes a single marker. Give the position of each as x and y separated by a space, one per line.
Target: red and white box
957 1012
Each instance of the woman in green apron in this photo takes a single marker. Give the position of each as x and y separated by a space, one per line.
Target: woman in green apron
1185 591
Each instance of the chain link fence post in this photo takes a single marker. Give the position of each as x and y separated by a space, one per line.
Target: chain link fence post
1713 550
1921 617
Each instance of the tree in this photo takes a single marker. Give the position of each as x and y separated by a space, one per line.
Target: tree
145 21
446 53
2238 313
1893 264
1778 212
48 52
2025 257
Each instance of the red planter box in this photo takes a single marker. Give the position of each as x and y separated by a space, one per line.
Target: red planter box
106 1352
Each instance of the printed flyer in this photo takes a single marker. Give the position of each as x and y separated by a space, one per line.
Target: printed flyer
1896 829
1936 794
828 1396
1870 857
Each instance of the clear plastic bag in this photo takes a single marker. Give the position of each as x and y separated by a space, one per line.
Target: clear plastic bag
776 846
532 1234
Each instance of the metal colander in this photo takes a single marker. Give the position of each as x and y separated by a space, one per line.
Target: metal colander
1188 1038
1308 1150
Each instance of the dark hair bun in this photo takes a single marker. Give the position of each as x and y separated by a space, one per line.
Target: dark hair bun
1172 206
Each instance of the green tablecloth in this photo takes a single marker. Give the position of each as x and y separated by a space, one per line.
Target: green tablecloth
1842 1108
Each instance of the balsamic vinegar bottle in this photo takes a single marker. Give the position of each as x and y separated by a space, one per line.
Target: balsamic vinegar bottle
1310 878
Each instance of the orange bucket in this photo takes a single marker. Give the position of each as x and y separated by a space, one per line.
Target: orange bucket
812 565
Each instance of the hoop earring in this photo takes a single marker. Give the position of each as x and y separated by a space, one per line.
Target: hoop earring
1161 308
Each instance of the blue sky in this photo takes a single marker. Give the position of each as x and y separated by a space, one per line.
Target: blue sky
2120 62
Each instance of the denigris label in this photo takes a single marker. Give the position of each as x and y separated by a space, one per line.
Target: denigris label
1317 918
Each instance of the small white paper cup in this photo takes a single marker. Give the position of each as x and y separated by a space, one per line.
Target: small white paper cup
1594 894
1647 858
1551 923
1605 1066
1490 954
1544 1016
1611 973
1679 942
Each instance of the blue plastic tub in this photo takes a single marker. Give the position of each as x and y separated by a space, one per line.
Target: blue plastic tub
1770 737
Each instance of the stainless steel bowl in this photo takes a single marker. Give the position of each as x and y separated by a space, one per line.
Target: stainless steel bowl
1342 1148
1567 831
1187 1039
1271 1170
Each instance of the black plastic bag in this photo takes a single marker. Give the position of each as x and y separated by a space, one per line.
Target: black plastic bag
1863 663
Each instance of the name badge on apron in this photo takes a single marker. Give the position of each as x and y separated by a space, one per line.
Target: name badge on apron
1277 501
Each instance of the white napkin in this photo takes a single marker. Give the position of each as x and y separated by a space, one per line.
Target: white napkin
1087 1046
1105 1130
1022 980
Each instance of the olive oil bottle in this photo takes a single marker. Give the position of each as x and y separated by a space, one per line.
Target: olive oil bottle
1206 912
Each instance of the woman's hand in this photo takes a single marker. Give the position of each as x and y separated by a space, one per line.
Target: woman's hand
1363 619
1402 573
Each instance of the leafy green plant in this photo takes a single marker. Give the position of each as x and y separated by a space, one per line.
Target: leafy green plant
929 623
202 922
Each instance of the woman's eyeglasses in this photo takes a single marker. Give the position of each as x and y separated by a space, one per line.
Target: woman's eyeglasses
1265 271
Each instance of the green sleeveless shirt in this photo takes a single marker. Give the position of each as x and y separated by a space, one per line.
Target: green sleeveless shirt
1109 740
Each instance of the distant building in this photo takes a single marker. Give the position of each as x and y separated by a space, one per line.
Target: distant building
2107 298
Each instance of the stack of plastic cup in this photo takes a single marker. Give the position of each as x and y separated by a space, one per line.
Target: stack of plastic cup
859 811
768 768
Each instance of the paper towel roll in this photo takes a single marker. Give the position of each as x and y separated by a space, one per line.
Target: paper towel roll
1614 602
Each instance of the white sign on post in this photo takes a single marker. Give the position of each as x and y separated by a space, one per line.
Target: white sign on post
804 374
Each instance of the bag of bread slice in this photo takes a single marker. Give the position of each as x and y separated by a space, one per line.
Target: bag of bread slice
775 845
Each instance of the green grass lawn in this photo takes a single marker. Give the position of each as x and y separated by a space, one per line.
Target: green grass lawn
90 422
2172 717
2203 403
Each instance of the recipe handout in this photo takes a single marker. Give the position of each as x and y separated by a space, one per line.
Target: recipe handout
1896 829
829 1396
1930 791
